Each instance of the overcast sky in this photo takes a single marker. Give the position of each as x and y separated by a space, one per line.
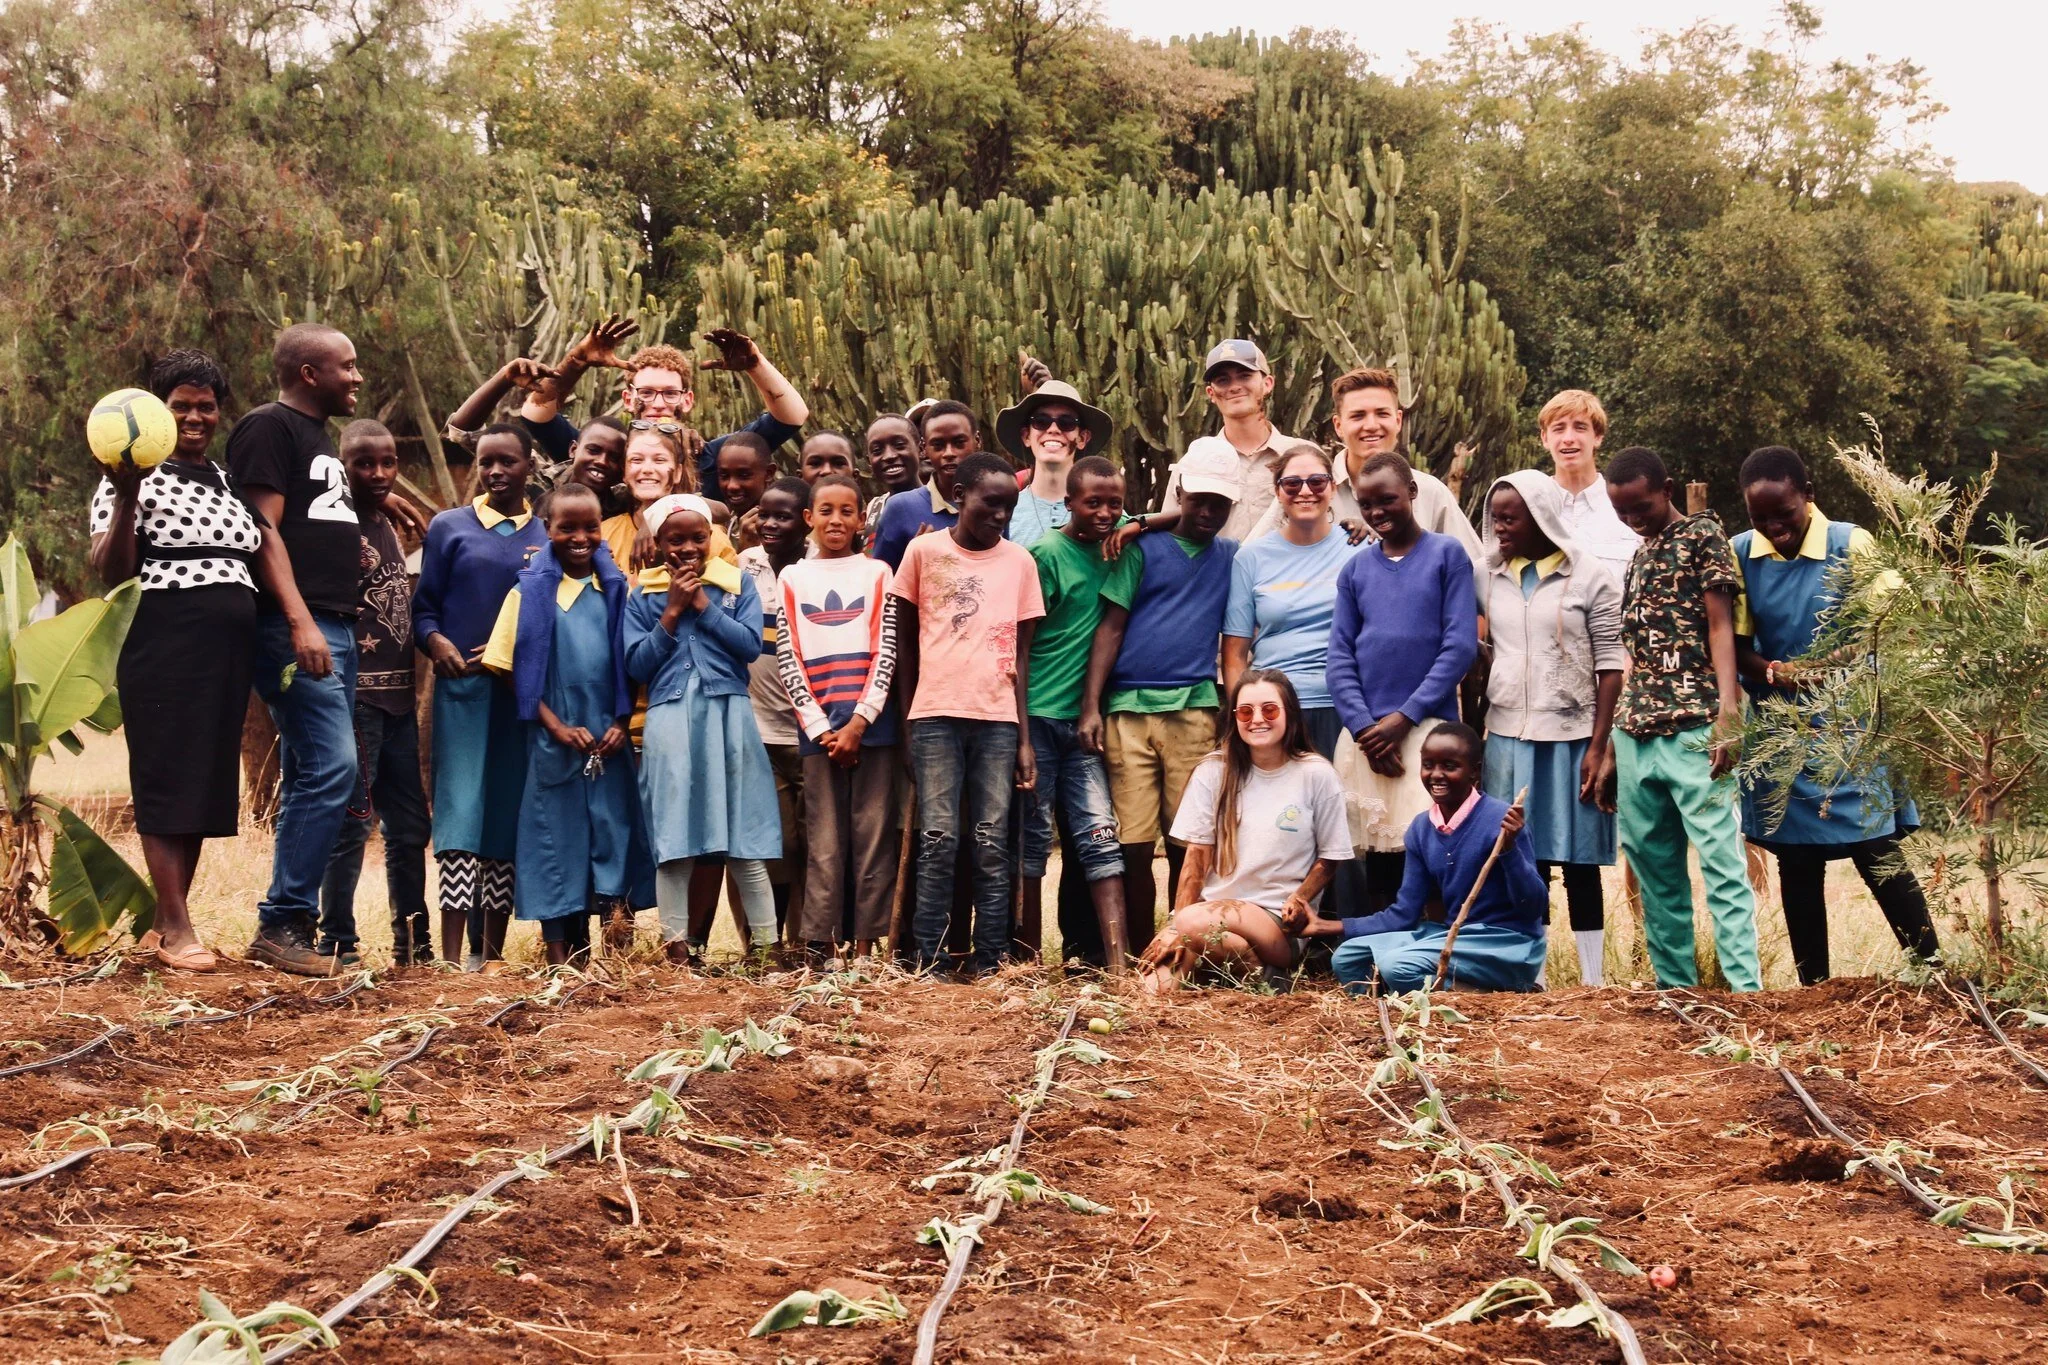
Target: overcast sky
1982 57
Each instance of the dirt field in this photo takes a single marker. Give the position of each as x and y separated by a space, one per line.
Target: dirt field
1257 1210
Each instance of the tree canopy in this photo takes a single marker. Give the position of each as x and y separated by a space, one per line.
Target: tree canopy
1733 243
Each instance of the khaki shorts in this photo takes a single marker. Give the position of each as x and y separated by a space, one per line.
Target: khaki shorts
1150 758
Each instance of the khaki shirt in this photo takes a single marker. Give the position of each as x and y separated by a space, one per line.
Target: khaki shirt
1255 473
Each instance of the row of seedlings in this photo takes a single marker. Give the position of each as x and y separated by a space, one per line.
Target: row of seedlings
1887 1159
1496 1164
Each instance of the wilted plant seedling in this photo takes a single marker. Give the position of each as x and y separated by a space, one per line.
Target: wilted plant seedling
2011 1236
1546 1237
1497 1297
828 1308
221 1338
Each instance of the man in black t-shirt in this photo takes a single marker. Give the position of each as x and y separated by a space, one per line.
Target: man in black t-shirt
305 667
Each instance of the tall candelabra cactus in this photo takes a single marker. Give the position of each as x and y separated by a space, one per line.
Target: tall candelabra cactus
1122 293
1345 271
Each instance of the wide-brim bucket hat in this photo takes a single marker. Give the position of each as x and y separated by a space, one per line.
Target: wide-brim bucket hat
1011 421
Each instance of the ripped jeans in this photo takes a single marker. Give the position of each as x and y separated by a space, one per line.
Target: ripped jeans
966 774
1073 784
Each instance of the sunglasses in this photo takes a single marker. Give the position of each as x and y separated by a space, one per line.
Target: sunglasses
665 427
1065 422
1314 483
1268 711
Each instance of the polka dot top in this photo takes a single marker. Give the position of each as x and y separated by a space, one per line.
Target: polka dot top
184 512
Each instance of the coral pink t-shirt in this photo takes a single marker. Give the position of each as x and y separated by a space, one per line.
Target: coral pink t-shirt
968 605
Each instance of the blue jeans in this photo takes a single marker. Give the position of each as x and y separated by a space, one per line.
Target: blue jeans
966 772
316 740
388 792
1074 785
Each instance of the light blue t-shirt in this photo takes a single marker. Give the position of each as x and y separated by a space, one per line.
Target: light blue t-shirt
1035 517
1282 597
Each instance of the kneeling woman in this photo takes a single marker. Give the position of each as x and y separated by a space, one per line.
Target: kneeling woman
1500 947
1264 825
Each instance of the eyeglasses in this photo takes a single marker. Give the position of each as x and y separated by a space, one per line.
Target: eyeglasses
1314 483
665 427
1266 710
1065 422
665 395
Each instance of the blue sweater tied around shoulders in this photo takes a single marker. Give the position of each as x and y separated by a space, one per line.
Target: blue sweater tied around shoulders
538 583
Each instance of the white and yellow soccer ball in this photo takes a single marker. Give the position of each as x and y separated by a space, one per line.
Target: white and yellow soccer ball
131 427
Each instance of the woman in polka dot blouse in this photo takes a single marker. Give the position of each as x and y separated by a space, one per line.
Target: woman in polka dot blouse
183 529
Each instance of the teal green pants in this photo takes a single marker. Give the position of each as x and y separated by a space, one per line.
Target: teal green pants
1667 795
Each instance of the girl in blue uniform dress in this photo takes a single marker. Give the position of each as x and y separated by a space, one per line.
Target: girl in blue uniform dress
1789 578
560 638
473 556
692 627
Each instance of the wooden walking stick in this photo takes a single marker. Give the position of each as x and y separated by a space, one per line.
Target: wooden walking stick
1443 962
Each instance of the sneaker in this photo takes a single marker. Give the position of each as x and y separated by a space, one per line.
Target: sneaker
291 952
472 962
345 959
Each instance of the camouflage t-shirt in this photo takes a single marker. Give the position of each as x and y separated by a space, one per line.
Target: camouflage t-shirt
1671 684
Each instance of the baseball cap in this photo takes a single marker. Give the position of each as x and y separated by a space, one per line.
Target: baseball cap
1211 466
1236 351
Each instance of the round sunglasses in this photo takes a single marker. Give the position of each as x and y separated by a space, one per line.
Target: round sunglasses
1265 710
1314 483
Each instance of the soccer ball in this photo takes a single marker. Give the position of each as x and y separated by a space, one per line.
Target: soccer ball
131 427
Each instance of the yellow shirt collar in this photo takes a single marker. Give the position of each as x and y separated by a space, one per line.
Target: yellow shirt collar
1814 546
1545 566
491 516
717 572
569 589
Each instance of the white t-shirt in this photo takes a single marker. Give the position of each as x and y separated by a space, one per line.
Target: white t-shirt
1286 819
1594 527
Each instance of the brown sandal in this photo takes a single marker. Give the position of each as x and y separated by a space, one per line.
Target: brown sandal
193 957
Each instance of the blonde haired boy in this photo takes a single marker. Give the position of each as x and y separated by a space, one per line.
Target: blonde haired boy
1573 424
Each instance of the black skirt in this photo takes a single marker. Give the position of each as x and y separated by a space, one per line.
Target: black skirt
184 680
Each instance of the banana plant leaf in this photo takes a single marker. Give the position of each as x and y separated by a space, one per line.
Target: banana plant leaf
64 666
17 587
92 888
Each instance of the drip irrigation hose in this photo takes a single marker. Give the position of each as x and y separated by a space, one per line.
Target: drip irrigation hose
423 1248
67 1161
928 1326
1919 1193
1990 1021
1624 1334
117 1030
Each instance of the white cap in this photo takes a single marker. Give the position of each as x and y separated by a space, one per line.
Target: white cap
662 508
1212 465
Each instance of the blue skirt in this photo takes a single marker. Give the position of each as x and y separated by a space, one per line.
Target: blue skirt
705 783
1563 828
479 767
1488 957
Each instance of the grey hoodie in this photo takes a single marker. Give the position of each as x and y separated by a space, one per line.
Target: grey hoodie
1547 648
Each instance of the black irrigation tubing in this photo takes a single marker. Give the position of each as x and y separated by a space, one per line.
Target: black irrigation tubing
928 1326
1919 1193
1990 1021
1624 1334
423 1248
86 1049
68 1160
425 1041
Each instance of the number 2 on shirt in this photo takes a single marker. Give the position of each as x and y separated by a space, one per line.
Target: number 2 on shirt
333 504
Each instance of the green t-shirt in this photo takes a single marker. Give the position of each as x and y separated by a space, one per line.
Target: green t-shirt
1070 575
1121 587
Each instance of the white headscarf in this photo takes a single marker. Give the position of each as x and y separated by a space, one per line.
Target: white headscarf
662 508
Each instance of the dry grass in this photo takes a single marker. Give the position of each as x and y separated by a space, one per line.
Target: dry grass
233 875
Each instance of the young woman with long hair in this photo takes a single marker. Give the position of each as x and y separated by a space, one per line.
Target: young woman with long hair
1264 824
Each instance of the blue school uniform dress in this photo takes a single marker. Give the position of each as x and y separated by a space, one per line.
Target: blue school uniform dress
472 559
1502 945
579 832
1781 607
705 783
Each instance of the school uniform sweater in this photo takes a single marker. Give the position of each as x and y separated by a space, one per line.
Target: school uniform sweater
1404 633
1176 614
470 562
1441 868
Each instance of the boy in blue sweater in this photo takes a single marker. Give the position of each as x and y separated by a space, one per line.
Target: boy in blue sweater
1149 701
1501 946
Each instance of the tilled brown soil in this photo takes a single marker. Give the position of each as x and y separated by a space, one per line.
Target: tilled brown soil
1262 1206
